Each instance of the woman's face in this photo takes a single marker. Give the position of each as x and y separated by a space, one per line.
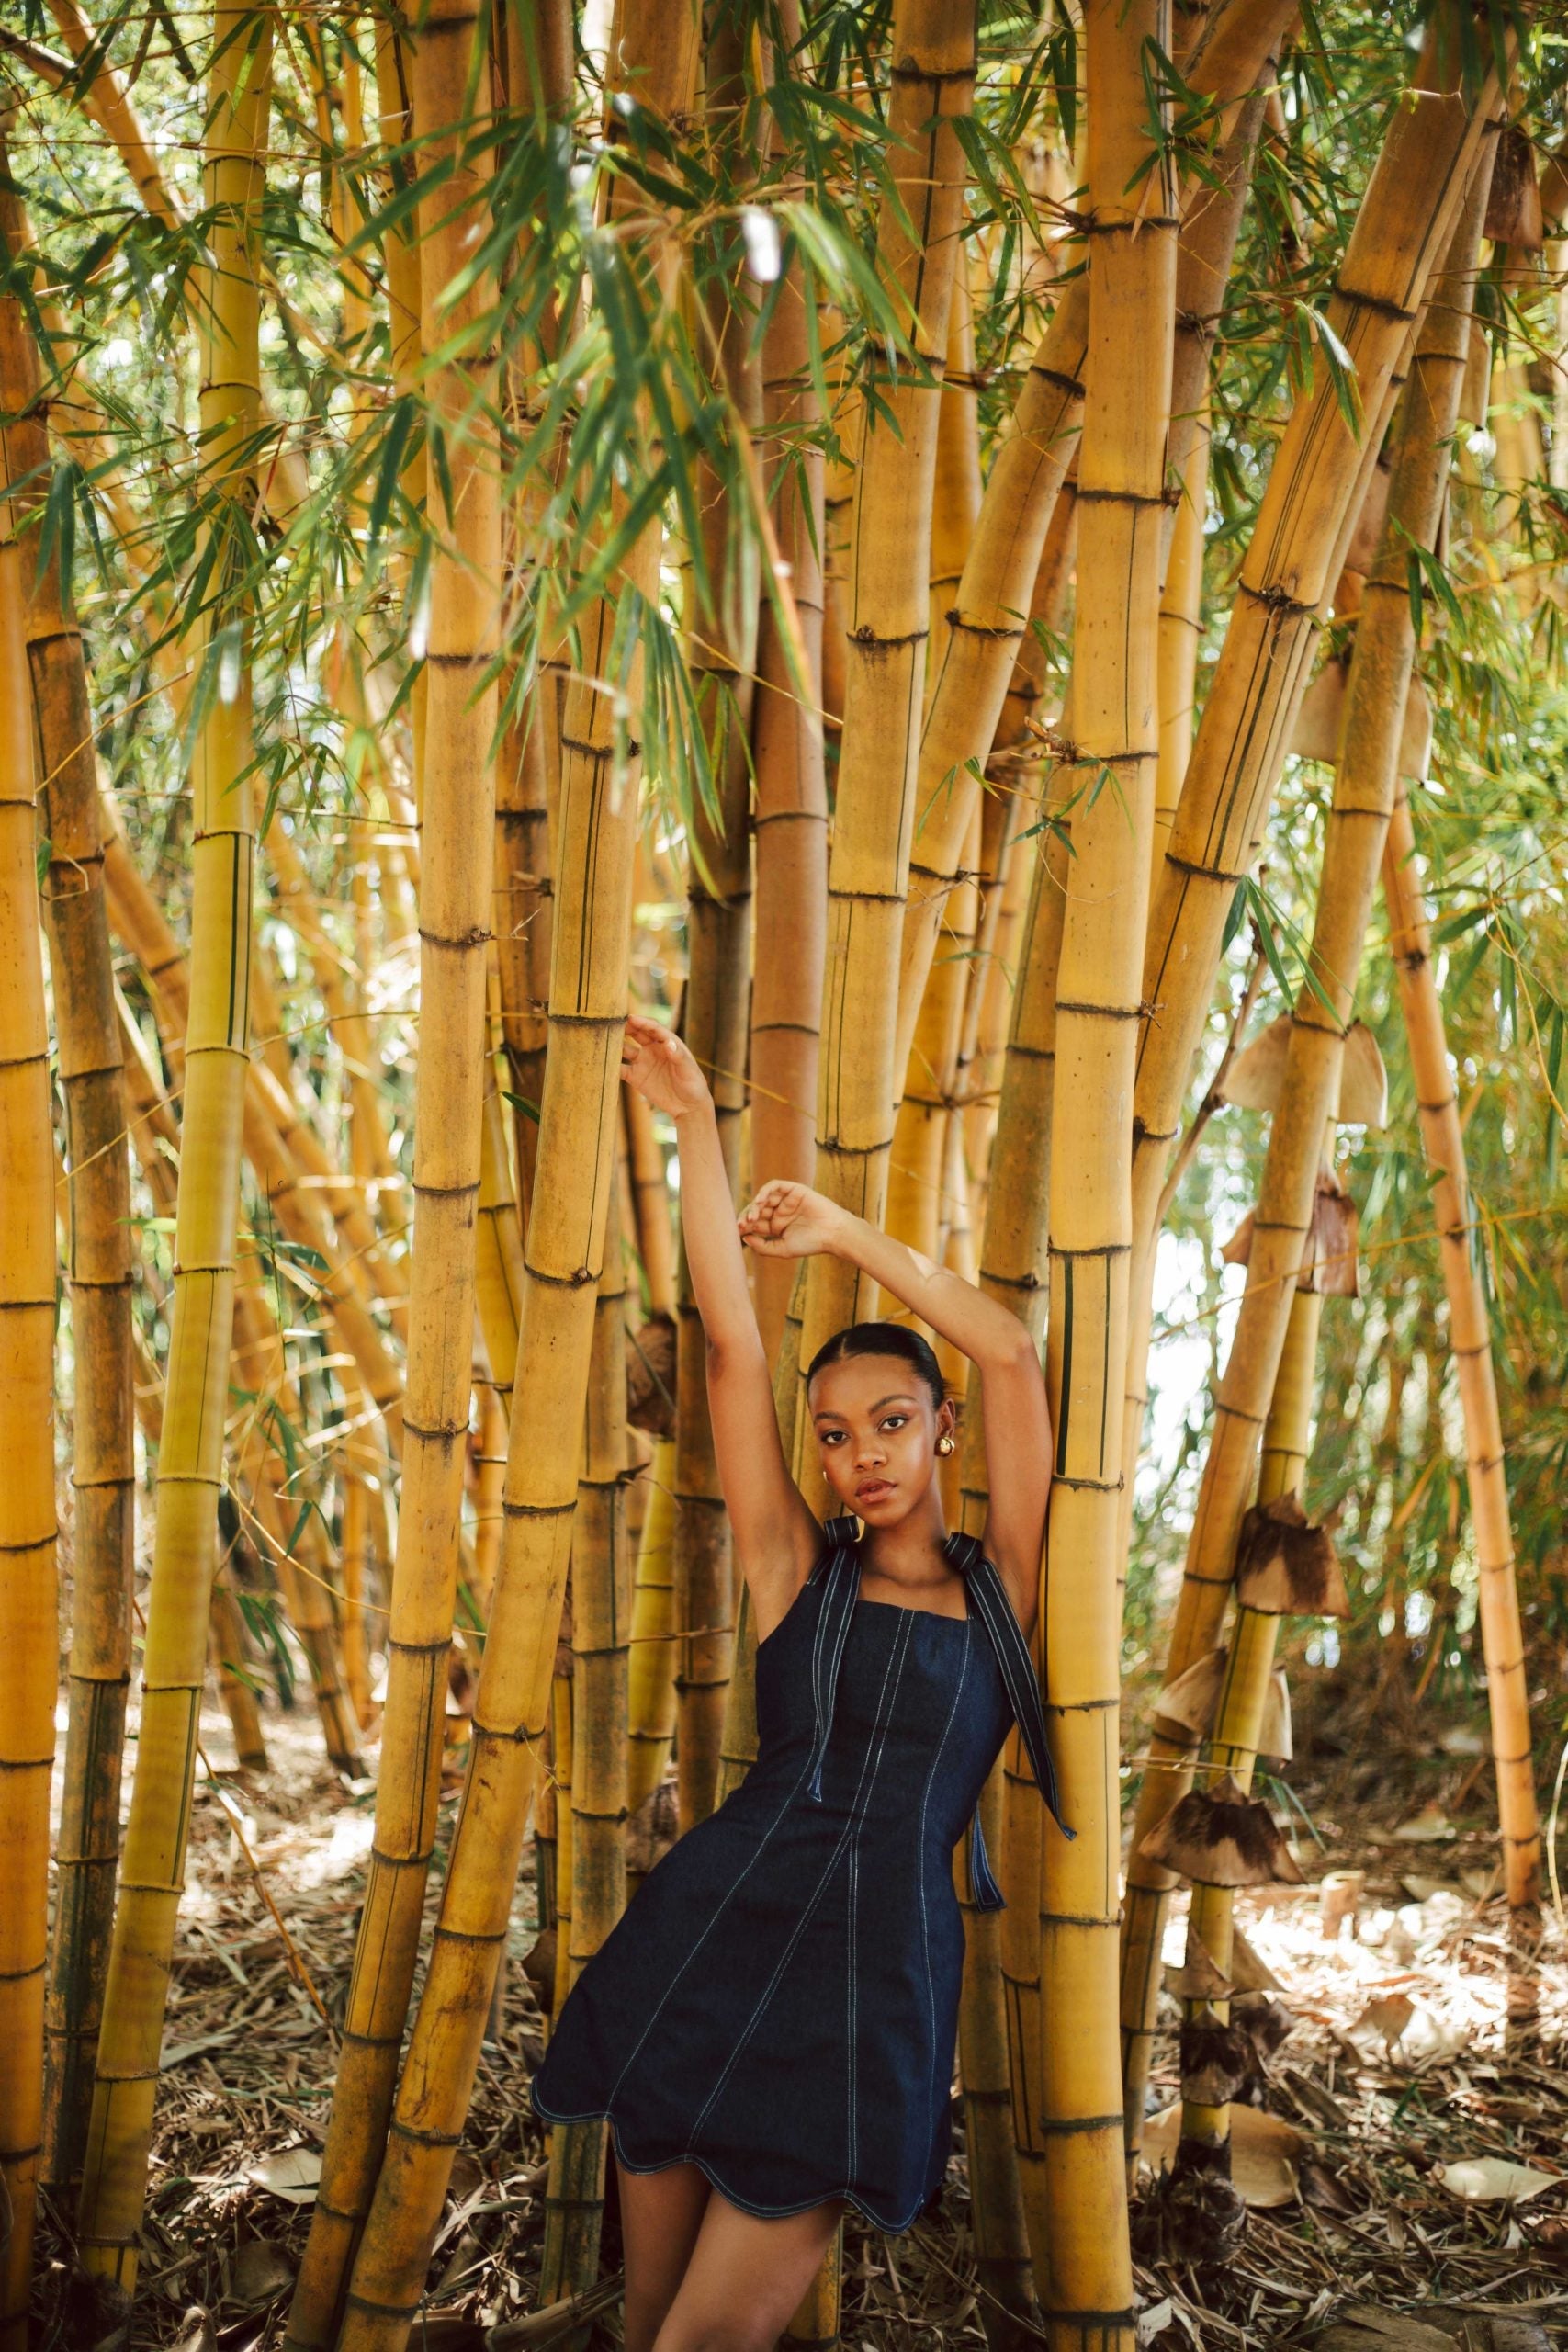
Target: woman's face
876 1434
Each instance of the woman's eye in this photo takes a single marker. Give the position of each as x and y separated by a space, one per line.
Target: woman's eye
895 1420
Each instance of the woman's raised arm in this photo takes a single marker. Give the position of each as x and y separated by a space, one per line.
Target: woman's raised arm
786 1220
776 1537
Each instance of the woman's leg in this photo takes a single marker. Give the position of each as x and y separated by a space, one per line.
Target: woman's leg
660 2215
746 2277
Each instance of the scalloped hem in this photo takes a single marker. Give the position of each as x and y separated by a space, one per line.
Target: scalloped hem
747 2204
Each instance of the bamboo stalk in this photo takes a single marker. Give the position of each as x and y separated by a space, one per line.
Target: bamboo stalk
1469 1341
105 100
971 661
650 1701
300 1560
157 1143
650 1205
355 1552
536 46
1016 767
1363 797
917 1197
28 1596
457 778
98 1274
1303 524
1115 727
655 51
190 1458
1209 228
228 1648
346 1019
1233 1747
1013 1270
721 632
791 816
498 1246
276 1135
868 870
958 488
601 1614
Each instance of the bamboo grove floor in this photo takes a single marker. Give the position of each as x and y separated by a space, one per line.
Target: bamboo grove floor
1428 2039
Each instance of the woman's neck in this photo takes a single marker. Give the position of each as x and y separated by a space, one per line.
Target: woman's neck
909 1554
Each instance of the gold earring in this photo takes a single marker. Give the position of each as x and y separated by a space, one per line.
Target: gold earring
945 1445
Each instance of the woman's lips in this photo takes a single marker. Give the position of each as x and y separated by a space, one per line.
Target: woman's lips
872 1490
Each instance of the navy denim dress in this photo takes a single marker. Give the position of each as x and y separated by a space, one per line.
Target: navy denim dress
778 2005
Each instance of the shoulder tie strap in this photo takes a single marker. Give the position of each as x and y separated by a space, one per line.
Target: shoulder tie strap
837 1568
989 1601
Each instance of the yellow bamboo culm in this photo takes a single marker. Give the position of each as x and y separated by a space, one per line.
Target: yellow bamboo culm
98 1268
1469 1341
455 879
1211 223
190 1463
932 48
1010 1143
976 638
1309 510
355 1554
601 1614
720 656
534 50
1115 725
791 815
1235 1743
346 1017
498 1247
1000 2017
651 1687
656 49
28 1599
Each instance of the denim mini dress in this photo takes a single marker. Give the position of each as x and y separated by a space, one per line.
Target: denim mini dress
778 2003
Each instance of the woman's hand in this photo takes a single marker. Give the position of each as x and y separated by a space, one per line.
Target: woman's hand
654 1060
792 1221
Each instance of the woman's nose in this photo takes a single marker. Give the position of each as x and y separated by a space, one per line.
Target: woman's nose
871 1449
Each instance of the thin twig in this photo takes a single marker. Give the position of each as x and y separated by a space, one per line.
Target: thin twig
292 1954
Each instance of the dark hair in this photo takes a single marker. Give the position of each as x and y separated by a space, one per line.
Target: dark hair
883 1339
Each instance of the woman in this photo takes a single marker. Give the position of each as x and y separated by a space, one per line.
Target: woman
769 2028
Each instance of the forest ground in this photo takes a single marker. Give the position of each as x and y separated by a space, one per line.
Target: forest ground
1429 2036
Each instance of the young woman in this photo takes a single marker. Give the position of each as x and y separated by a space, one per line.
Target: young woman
770 2026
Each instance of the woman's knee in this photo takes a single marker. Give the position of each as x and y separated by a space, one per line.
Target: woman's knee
738 2334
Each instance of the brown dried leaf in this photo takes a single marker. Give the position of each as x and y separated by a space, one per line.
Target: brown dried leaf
259 2271
1265 2151
1494 2180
